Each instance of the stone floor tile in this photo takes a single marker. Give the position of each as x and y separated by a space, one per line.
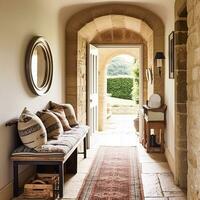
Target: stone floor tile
174 194
152 158
177 198
75 177
153 168
71 190
151 185
154 198
167 182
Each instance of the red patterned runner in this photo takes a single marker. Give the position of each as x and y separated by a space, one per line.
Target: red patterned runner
114 176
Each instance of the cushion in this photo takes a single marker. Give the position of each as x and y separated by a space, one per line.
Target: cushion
59 147
59 112
31 130
52 124
69 112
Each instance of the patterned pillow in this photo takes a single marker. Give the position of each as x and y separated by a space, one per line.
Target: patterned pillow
69 112
59 112
52 124
31 130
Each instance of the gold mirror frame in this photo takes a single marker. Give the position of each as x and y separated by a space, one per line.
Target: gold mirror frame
39 41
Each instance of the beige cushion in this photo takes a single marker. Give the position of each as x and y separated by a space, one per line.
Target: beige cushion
52 124
69 112
59 112
31 130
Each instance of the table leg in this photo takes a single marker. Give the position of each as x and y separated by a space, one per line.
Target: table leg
148 137
85 147
61 179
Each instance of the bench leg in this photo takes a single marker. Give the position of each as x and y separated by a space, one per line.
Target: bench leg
15 181
61 180
85 147
72 162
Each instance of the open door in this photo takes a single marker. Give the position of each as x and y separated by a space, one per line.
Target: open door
92 90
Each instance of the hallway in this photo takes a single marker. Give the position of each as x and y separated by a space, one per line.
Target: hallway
157 179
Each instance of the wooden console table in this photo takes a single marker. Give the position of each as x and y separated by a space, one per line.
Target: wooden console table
156 124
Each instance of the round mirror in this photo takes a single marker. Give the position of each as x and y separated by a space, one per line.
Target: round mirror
39 66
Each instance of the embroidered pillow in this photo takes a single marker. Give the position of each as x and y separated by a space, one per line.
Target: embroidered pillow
31 130
69 112
52 124
59 112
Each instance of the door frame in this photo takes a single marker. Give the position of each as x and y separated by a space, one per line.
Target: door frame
141 50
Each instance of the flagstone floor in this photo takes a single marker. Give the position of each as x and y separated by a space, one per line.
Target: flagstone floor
156 176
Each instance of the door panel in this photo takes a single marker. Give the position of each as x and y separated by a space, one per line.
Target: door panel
92 88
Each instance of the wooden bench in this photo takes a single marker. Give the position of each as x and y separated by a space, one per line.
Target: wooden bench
66 161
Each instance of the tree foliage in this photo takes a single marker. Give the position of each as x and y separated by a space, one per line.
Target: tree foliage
135 88
120 65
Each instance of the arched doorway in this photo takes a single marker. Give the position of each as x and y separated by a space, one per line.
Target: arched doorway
110 24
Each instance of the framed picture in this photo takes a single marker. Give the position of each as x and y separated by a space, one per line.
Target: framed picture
171 55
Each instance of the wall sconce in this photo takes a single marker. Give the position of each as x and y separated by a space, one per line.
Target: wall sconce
159 57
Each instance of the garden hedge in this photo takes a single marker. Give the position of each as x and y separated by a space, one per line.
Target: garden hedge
120 87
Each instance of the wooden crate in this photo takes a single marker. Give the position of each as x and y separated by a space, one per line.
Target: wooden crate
43 187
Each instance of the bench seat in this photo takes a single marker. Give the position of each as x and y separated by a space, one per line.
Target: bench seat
61 152
56 149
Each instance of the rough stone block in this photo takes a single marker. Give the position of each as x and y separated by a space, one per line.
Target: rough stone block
181 89
181 37
190 18
181 108
181 57
181 25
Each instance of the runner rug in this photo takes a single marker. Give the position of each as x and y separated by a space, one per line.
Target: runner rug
114 175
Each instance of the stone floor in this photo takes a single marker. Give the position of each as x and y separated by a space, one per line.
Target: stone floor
157 179
156 176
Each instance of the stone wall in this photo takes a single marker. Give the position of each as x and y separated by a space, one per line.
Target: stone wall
193 105
181 31
147 20
81 79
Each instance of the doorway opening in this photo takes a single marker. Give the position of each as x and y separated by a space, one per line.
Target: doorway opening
120 92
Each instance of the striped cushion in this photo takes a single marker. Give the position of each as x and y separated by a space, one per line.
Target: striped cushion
59 112
52 124
69 112
31 130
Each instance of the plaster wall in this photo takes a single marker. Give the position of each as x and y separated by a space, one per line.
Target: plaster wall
20 21
169 97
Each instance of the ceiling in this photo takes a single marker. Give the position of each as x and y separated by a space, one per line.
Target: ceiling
163 8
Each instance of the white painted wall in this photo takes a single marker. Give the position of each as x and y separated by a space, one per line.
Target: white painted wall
19 21
169 96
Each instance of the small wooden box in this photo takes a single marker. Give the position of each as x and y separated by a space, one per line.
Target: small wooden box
43 187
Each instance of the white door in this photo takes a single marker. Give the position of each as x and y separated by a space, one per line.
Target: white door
92 89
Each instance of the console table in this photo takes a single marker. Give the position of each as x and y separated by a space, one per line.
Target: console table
154 119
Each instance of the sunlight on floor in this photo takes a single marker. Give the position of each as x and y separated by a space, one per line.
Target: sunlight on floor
119 132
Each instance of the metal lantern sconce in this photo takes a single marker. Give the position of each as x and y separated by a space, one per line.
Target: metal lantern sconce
159 57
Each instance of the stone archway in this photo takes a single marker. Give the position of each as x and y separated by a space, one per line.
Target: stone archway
77 40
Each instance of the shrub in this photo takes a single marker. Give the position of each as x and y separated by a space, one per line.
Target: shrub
120 87
135 89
